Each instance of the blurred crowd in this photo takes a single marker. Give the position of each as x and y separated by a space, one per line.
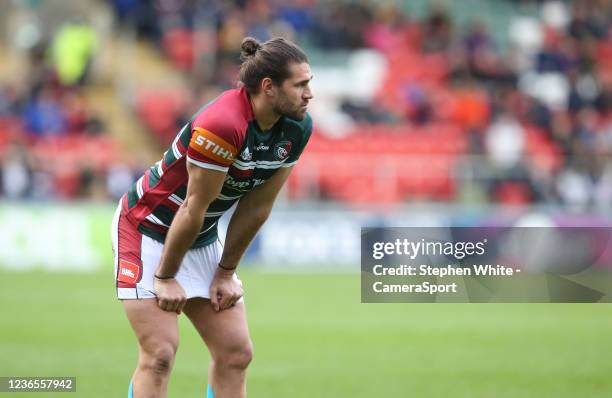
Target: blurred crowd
534 111
44 111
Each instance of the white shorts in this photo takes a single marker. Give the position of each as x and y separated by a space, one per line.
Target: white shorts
137 257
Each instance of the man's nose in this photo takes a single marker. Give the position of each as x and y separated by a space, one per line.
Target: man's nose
308 94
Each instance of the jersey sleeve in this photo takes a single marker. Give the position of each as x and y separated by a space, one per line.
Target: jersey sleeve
213 145
306 127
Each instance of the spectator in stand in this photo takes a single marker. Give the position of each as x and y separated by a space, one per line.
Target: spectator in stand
298 14
505 142
590 19
79 118
483 61
8 101
73 49
574 188
120 176
139 15
554 56
389 30
584 90
43 115
437 32
342 25
418 108
15 173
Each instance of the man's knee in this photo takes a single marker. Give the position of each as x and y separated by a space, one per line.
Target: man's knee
237 357
158 357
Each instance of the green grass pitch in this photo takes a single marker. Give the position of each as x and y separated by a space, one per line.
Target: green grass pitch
313 338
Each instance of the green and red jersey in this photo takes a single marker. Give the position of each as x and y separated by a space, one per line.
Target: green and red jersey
223 136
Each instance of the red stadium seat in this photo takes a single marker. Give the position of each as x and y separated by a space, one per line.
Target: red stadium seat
179 45
159 111
542 152
382 164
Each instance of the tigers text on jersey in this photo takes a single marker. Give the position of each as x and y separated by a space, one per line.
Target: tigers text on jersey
223 136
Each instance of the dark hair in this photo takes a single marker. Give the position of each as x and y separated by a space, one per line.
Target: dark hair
270 59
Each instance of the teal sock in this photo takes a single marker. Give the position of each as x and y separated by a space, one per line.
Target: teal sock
209 392
131 390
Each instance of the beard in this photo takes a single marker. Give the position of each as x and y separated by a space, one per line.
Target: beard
287 109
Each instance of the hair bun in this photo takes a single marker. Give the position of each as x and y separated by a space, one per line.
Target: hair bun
249 47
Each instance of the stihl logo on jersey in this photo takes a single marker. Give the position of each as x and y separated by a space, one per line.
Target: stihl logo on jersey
213 147
128 272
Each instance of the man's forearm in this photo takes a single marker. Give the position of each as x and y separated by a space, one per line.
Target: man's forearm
242 228
181 235
252 211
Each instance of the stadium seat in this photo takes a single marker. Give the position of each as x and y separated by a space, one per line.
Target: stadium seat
179 45
383 164
159 111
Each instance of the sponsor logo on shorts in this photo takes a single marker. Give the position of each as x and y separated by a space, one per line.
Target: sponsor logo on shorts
282 150
129 272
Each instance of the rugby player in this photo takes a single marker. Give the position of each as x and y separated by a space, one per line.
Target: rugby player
241 148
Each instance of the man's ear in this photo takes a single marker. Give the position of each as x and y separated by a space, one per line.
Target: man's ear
267 87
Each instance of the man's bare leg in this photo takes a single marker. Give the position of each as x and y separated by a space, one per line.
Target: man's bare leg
227 336
157 334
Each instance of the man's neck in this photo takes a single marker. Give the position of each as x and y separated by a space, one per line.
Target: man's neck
264 114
